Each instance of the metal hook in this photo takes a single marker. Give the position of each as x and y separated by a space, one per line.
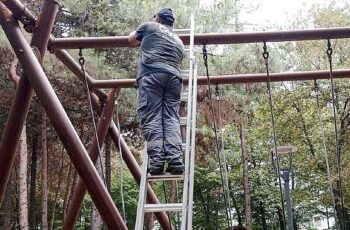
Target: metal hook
329 47
265 53
81 59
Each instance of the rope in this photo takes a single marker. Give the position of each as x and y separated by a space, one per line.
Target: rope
336 139
266 58
82 62
217 93
317 91
205 58
121 167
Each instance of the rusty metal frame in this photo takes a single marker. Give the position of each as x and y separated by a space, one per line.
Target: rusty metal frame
23 96
212 38
58 118
36 78
235 79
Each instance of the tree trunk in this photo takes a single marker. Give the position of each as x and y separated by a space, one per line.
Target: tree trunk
44 191
346 217
33 184
7 207
338 208
22 180
149 217
173 192
22 153
280 218
237 29
149 221
245 156
67 195
234 203
56 194
96 220
295 220
263 216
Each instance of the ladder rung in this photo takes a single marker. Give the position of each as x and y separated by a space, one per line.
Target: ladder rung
185 74
182 30
183 146
172 207
184 97
166 176
187 50
183 120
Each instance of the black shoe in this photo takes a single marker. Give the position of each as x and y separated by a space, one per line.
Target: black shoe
176 169
156 170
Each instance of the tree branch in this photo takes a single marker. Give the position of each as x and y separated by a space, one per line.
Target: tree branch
13 70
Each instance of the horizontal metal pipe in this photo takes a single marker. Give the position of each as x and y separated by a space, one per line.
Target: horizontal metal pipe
210 38
235 79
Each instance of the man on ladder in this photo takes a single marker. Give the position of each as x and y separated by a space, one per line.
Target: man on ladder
159 86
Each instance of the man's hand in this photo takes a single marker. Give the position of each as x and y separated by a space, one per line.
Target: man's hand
132 39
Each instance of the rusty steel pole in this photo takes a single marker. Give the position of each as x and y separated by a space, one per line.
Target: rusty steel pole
19 10
212 38
21 13
235 79
80 189
24 91
115 135
60 121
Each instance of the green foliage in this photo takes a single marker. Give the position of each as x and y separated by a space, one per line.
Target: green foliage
129 191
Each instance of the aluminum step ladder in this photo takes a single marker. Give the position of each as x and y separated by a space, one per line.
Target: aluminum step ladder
188 96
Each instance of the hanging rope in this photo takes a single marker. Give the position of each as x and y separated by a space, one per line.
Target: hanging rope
82 63
266 59
217 94
205 58
339 183
121 166
317 93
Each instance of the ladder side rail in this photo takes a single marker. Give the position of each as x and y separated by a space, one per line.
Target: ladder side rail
142 194
188 128
187 148
193 151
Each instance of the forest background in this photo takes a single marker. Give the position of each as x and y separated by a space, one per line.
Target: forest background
43 178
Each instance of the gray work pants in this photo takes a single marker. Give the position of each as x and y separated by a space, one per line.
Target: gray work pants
158 110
